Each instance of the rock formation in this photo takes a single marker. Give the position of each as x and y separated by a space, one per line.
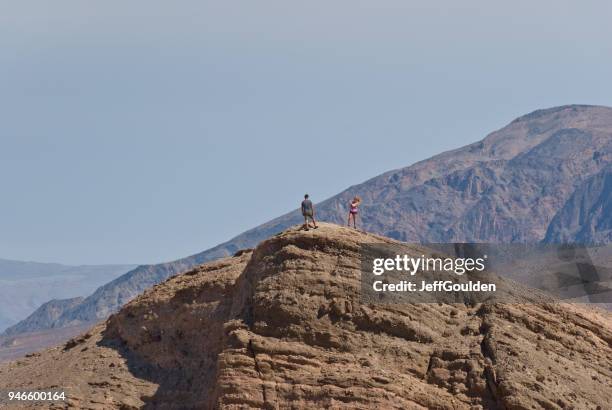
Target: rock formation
586 217
505 188
283 326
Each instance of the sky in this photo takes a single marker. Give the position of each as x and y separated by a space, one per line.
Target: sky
145 131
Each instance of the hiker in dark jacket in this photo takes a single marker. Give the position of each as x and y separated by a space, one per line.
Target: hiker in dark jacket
308 212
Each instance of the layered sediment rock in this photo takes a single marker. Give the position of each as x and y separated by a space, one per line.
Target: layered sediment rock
283 326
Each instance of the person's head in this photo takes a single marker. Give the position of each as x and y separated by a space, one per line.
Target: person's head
356 199
306 196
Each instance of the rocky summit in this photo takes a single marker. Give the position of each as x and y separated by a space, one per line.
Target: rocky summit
543 177
535 179
284 326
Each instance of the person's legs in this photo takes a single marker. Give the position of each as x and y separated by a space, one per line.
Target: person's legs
305 222
314 223
353 216
348 222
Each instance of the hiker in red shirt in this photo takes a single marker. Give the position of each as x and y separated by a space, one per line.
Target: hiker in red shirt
353 211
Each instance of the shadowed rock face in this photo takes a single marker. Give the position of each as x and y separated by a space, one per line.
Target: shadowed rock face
587 215
506 188
283 326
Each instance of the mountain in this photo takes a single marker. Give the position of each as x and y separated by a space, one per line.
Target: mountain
587 215
285 326
24 286
109 297
506 188
44 316
22 344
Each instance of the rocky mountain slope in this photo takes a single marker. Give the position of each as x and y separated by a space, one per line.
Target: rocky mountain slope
24 286
22 344
506 188
587 215
44 317
284 326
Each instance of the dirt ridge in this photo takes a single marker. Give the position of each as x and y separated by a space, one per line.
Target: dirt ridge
283 326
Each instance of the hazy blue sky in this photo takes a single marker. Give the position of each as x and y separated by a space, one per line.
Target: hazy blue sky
143 131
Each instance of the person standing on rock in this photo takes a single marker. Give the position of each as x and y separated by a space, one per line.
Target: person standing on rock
308 212
353 211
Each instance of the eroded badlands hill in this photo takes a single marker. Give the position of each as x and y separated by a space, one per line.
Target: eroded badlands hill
283 327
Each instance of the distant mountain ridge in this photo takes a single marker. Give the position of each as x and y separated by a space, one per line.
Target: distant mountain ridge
506 188
587 216
44 317
15 269
24 286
